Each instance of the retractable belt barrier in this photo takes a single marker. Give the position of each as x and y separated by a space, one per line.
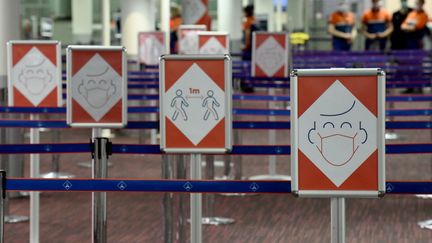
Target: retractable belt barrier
236 111
256 125
155 149
186 186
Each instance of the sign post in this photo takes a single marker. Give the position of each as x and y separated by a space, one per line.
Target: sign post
195 114
34 80
337 138
270 59
97 98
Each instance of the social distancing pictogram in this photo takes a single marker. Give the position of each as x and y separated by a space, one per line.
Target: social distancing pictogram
270 54
96 86
338 138
34 73
151 45
195 111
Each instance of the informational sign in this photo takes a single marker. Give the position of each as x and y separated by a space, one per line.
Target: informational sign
96 86
270 54
188 38
210 42
46 27
196 12
337 125
151 45
34 73
195 103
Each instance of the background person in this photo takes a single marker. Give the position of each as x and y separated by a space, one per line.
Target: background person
415 26
398 37
376 26
342 28
249 26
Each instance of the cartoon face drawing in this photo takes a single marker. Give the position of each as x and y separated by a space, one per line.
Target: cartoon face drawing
97 89
269 56
35 77
340 134
337 132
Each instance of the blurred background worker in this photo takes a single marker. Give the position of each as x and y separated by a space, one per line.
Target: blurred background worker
398 37
376 27
175 22
415 26
249 26
342 27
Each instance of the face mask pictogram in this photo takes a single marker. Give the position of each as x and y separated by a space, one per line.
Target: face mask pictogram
35 78
97 91
344 144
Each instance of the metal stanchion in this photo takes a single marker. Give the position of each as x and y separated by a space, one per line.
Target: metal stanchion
196 201
34 195
101 149
96 132
168 200
2 204
55 165
4 166
181 174
15 167
210 219
337 208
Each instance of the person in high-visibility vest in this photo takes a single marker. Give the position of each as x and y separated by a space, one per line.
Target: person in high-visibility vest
342 27
415 26
376 27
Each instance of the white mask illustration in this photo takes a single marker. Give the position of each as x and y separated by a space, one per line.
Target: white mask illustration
97 90
35 78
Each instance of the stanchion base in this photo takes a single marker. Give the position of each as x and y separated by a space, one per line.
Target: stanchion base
89 164
59 175
427 224
391 136
217 221
424 196
270 177
13 219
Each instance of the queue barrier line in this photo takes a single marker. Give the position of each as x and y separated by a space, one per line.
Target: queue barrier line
185 186
252 125
412 148
236 111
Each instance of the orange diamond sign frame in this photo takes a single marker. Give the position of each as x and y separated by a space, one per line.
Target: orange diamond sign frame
96 86
34 73
270 54
338 132
195 103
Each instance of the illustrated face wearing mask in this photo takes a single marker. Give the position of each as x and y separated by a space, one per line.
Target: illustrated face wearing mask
97 89
337 139
35 78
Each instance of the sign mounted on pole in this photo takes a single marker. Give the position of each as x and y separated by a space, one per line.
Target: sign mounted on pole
151 45
211 42
195 103
34 73
196 12
270 54
337 124
188 38
96 86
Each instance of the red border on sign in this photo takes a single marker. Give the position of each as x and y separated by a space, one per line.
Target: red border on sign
49 50
115 59
310 88
202 39
174 69
281 39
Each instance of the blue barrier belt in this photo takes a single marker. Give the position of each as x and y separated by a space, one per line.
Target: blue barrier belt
155 149
188 186
236 124
236 111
